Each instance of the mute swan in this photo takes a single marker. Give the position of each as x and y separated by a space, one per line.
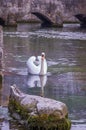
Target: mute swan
36 81
37 66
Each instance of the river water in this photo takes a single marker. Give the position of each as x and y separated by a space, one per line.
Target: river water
65 50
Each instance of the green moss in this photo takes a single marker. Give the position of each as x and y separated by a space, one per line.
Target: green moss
15 106
57 25
39 122
49 122
71 22
11 25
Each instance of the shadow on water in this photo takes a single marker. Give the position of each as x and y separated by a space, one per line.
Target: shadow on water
65 50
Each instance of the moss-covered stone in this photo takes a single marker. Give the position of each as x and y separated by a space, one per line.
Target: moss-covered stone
39 122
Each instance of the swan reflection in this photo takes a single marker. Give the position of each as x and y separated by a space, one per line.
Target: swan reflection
37 81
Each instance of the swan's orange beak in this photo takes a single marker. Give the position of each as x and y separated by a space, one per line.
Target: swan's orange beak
43 56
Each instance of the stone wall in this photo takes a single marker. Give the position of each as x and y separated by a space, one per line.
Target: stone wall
1 52
1 46
20 10
72 7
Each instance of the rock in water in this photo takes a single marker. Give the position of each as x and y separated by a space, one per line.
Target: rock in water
38 112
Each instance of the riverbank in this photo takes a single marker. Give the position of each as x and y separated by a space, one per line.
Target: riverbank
65 50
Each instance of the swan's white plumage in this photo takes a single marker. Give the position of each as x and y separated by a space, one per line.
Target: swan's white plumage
37 81
40 68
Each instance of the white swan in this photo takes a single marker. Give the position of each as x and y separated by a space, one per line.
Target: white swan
37 66
36 81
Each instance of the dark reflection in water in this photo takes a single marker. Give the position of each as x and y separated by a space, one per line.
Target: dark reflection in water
65 50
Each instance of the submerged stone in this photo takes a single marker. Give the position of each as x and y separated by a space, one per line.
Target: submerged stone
38 112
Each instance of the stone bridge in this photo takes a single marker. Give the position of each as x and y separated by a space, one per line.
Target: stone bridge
2 21
47 21
15 11
82 19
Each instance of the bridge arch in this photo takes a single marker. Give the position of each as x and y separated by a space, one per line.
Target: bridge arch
2 21
46 21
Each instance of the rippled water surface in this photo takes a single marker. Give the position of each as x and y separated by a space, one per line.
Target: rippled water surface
65 50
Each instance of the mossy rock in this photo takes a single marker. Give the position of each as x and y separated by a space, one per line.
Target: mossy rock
39 122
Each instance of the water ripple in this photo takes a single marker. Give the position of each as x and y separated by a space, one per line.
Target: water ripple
49 34
78 127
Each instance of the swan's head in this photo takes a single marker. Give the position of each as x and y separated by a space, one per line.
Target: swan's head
43 55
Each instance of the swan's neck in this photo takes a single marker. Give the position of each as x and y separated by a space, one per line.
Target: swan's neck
42 67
